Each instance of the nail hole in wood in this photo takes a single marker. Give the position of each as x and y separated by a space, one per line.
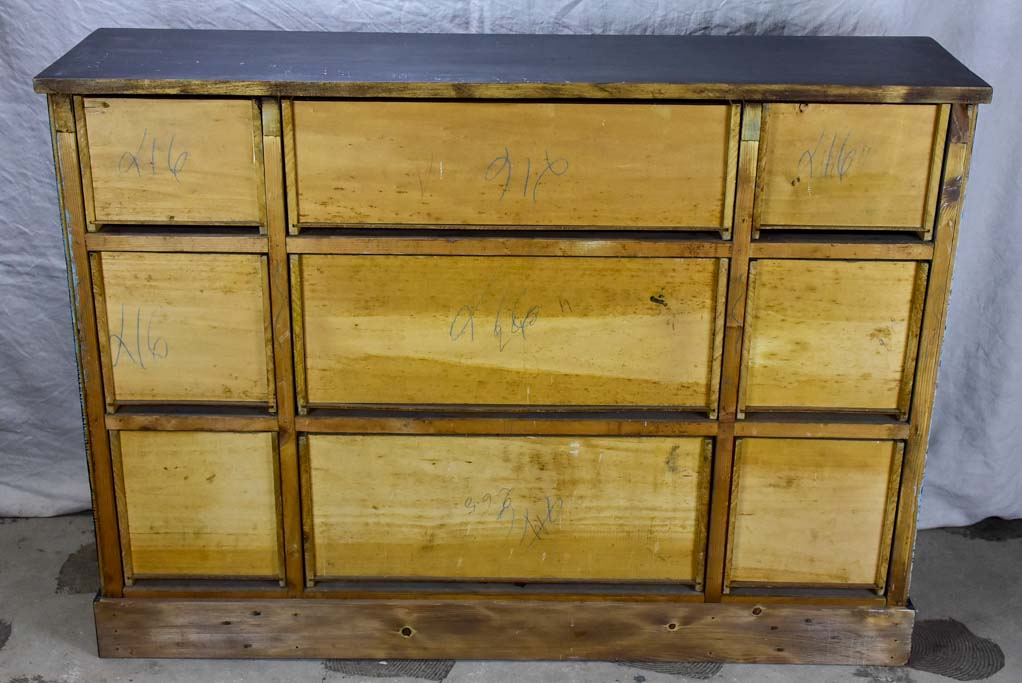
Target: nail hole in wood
671 626
407 631
757 611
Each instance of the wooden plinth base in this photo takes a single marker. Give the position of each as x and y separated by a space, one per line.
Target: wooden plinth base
503 629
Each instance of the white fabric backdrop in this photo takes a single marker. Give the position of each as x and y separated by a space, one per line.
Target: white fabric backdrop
975 468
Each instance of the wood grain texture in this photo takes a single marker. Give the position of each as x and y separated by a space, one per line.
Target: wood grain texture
283 367
812 512
563 244
830 334
86 342
228 244
512 164
297 63
509 330
734 322
602 424
183 328
182 161
199 504
857 166
961 132
556 508
504 629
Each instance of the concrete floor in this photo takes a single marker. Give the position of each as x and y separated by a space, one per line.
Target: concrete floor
972 576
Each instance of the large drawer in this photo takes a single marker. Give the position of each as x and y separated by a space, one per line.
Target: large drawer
850 166
512 164
172 161
831 335
525 331
813 513
184 328
528 508
198 504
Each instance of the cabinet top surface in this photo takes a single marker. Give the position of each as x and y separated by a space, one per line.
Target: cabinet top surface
311 64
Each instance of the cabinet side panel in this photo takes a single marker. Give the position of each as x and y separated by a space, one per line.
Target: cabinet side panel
69 185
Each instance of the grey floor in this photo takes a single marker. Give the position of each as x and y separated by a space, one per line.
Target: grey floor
967 588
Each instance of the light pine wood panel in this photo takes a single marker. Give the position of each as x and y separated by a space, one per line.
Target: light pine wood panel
813 512
509 330
831 334
184 327
509 507
514 163
198 504
184 161
849 165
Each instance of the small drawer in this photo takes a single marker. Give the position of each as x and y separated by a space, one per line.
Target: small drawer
831 335
184 328
171 161
510 331
850 166
506 508
198 504
812 513
662 166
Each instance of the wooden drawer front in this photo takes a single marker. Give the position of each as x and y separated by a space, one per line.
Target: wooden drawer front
812 512
521 164
557 508
509 330
862 166
832 335
172 161
184 328
197 504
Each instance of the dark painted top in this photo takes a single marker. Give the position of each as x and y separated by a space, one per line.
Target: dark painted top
118 61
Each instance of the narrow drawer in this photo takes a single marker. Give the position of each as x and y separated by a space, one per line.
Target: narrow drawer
831 335
198 504
503 508
171 161
812 513
513 164
856 166
184 328
524 331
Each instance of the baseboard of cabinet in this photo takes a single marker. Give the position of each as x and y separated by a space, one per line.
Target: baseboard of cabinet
503 629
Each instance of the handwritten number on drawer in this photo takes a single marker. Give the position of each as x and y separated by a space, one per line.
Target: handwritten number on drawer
175 162
502 166
131 345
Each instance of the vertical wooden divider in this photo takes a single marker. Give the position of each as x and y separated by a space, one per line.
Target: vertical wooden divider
956 170
280 305
83 314
723 460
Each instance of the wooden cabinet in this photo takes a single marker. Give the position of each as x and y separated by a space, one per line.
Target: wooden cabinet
537 347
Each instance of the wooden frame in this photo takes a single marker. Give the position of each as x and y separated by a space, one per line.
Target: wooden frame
420 619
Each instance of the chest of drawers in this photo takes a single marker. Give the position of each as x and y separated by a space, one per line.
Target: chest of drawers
508 346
